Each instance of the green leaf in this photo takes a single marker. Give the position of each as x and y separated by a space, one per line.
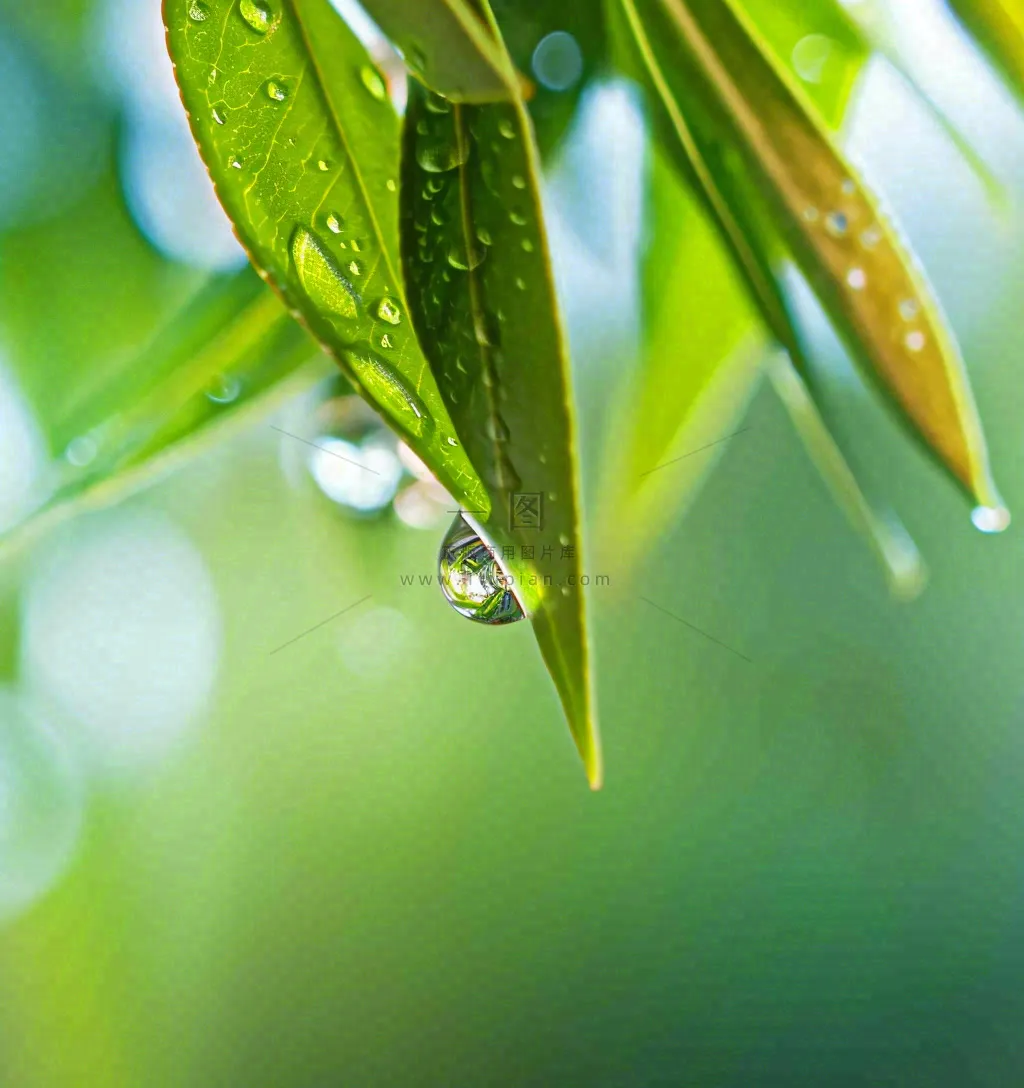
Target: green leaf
726 98
448 46
998 28
302 144
483 299
698 368
228 354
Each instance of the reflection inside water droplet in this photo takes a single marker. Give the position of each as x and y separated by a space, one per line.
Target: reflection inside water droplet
389 389
198 12
373 82
857 279
472 580
810 55
836 223
276 90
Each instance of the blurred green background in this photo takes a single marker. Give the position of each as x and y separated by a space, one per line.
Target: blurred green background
370 857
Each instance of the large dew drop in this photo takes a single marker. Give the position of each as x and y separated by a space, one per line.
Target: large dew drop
389 389
257 14
472 581
321 278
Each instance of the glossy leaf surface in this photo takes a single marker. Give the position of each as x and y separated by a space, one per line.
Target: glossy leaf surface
724 93
301 140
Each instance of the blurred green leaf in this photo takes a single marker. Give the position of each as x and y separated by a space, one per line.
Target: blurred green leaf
998 27
483 299
302 143
525 25
723 92
698 367
448 46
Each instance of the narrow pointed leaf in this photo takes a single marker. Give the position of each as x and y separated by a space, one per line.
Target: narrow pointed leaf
893 545
302 144
723 91
448 46
482 295
998 28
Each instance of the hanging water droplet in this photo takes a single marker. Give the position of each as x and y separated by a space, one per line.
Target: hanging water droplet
507 129
387 310
333 222
909 309
472 581
836 223
857 279
198 12
389 389
915 341
276 90
518 181
373 82
991 519
320 277
257 14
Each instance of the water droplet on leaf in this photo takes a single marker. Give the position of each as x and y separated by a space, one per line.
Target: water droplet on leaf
909 309
915 341
472 581
333 222
320 277
857 279
198 12
387 310
389 389
439 156
991 519
373 82
257 14
836 223
276 90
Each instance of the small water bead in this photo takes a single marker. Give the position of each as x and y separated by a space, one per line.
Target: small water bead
563 538
440 156
810 55
333 222
520 283
81 451
915 341
323 166
497 429
507 129
909 309
198 12
373 82
452 442
871 237
224 389
857 279
558 61
257 14
472 581
436 104
387 310
464 258
438 216
355 268
566 591
810 214
385 342
218 114
517 219
518 181
276 90
849 187
483 236
356 244
236 164
389 389
527 245
320 278
423 127
392 185
837 224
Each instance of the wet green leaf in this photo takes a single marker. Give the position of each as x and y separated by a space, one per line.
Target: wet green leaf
998 27
448 46
482 296
746 130
302 143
